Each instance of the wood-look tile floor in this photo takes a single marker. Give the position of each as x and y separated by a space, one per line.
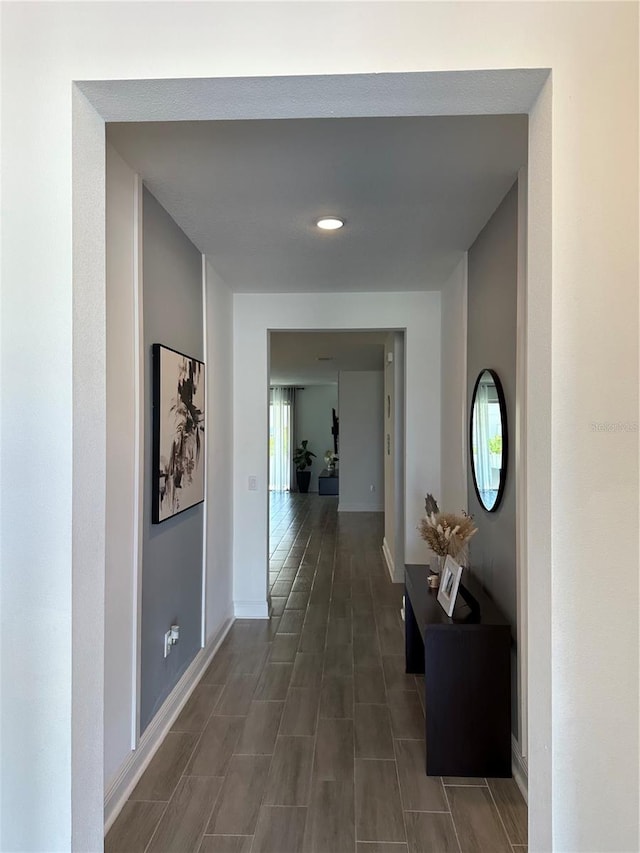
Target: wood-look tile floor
305 735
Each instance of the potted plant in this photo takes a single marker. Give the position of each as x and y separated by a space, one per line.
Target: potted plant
495 451
302 457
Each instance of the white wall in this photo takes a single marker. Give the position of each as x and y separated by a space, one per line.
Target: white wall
254 315
398 405
583 231
361 394
389 443
394 459
219 505
123 457
453 496
313 422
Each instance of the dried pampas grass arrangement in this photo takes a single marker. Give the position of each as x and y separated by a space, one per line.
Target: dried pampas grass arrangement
447 533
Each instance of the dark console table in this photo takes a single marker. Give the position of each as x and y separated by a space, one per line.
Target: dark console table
328 482
467 668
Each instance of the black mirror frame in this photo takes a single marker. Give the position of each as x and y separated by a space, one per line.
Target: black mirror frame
505 439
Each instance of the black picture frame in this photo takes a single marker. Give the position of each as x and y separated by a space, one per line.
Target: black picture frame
178 428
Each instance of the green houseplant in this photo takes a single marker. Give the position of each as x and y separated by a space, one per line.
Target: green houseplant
302 457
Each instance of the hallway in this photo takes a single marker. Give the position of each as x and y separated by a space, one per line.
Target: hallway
304 734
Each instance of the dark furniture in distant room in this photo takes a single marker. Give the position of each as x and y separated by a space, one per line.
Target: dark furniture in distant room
466 663
328 482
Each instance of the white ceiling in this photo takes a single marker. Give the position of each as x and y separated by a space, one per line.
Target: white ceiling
294 355
415 192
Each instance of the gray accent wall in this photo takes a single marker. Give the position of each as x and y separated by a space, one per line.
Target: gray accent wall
491 343
172 551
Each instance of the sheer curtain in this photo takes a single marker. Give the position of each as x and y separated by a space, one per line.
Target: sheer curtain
281 409
481 436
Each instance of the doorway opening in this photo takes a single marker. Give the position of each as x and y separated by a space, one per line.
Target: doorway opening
88 548
336 442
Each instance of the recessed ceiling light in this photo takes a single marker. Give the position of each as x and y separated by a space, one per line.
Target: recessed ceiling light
330 223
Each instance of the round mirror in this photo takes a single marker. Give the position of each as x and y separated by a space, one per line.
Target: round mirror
488 440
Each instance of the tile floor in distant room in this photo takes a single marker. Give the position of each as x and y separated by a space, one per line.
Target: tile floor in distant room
305 735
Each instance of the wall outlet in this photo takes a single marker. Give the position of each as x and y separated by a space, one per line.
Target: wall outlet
253 483
170 639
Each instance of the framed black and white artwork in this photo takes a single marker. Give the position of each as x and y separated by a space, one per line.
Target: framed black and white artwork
178 432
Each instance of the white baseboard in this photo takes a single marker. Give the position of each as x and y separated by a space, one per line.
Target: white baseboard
139 759
251 609
359 507
397 576
520 769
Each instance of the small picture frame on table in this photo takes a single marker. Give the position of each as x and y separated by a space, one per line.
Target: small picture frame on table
449 584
